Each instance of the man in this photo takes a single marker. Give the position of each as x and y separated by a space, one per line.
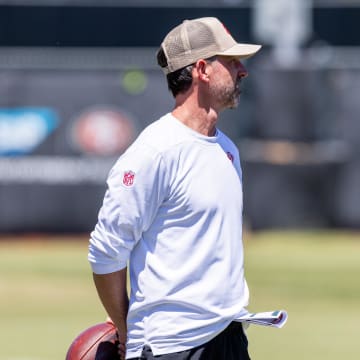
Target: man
173 212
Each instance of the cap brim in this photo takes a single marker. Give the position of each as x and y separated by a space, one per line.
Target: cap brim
242 50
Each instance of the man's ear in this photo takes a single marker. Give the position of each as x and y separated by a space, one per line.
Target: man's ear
202 70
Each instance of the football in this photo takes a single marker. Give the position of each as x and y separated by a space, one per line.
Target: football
98 342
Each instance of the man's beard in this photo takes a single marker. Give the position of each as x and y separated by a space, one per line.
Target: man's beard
234 96
228 96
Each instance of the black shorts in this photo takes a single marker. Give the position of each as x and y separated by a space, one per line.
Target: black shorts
231 344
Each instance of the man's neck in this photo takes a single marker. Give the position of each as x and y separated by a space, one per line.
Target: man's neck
197 118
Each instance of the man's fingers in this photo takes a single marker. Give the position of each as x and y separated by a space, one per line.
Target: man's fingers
122 350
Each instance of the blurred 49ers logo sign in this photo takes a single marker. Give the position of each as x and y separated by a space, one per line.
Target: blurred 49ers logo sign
128 179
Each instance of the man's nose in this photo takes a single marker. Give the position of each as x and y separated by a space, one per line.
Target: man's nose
242 72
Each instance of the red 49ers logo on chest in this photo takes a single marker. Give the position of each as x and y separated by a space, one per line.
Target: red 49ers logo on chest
230 156
128 178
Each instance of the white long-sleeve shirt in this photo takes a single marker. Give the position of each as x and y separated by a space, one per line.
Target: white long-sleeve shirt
173 210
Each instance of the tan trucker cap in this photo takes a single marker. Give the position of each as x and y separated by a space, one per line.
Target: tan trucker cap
201 38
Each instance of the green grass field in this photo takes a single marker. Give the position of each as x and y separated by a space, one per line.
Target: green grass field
47 295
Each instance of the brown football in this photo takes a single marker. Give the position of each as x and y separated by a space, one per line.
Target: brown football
98 342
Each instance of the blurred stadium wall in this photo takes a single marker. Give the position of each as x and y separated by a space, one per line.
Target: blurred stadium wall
78 81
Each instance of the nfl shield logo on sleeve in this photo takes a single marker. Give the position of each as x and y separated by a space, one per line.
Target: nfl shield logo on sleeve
128 179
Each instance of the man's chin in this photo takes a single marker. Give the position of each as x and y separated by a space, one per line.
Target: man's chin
235 103
232 102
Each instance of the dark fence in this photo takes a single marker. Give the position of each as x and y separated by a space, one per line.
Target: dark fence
72 98
63 123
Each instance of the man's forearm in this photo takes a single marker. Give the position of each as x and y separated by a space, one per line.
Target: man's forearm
113 295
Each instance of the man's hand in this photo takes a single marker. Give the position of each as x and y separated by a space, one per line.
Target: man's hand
122 351
121 343
113 295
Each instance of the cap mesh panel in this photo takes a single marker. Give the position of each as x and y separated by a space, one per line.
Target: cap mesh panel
175 46
201 36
